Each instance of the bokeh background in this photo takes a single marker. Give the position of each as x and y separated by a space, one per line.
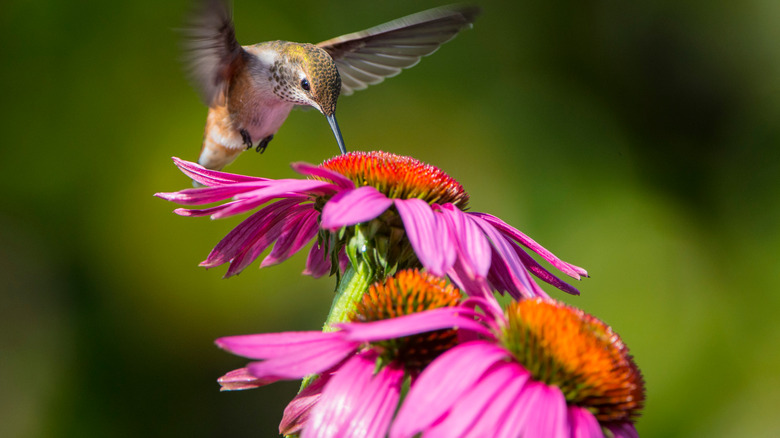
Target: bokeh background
637 139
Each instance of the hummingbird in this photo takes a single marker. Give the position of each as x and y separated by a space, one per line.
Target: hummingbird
250 90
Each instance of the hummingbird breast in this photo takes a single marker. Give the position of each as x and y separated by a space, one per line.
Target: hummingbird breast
251 102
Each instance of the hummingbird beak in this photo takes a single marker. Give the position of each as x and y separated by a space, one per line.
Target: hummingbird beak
337 132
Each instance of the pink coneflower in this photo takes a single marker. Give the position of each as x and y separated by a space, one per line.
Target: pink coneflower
550 371
398 328
393 211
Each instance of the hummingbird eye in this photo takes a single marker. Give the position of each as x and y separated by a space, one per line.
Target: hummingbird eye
305 84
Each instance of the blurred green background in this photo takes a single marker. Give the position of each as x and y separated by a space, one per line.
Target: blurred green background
636 139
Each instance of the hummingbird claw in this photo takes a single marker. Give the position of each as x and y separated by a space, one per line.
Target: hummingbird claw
247 138
264 143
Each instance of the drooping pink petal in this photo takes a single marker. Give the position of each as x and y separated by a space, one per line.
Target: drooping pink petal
207 195
239 237
211 177
241 379
283 188
296 233
194 212
508 230
442 383
255 246
321 172
259 242
473 247
341 398
270 345
505 281
301 362
430 241
499 277
317 263
377 404
550 417
477 412
542 273
506 253
583 424
297 412
474 286
406 325
352 207
623 430
447 242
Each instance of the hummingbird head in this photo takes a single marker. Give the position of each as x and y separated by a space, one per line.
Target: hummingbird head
307 75
304 74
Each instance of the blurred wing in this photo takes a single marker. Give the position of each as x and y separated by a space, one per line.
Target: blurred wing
368 57
211 50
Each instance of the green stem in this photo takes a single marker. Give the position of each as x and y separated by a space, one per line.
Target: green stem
354 283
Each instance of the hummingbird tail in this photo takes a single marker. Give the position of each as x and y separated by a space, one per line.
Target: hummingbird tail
214 156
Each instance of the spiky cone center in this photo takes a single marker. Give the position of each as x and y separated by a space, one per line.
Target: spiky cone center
399 177
565 347
409 291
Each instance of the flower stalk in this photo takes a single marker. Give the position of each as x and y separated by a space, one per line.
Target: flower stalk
352 285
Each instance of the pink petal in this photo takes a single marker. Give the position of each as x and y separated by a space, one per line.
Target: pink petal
297 412
351 207
258 243
503 280
514 419
473 285
283 188
320 172
255 246
442 383
207 195
377 404
542 273
478 411
193 212
318 262
583 423
429 238
296 233
623 430
301 362
549 417
257 226
211 177
270 345
524 409
341 398
241 379
415 323
473 247
506 254
567 268
447 243
243 205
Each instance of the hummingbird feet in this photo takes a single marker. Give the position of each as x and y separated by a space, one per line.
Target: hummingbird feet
264 143
247 138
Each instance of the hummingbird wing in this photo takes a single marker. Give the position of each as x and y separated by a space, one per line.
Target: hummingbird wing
211 50
369 56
